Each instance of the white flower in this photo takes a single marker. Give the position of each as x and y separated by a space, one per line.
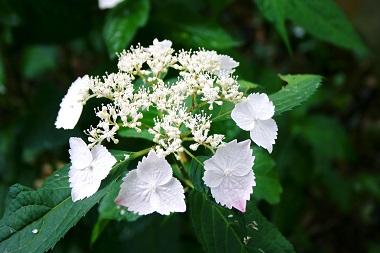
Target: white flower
255 115
88 168
229 174
72 104
108 4
152 188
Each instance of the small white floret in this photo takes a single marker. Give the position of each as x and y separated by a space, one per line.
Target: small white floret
255 115
229 174
88 168
152 188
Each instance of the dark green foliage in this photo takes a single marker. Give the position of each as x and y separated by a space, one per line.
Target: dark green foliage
223 230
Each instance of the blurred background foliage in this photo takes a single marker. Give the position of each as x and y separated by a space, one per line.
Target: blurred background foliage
324 181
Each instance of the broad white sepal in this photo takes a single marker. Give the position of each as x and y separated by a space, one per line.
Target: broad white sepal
229 174
151 187
88 168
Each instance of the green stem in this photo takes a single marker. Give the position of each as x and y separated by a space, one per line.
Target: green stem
221 115
192 156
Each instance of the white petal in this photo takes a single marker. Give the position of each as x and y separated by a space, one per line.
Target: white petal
154 169
212 177
80 154
171 198
234 191
261 106
102 161
72 104
243 115
107 4
227 64
83 183
68 115
233 157
264 134
134 194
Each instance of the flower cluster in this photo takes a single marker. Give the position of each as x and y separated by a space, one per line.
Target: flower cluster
181 89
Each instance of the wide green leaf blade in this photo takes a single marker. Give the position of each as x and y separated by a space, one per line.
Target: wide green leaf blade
122 24
275 12
207 36
268 186
298 90
35 220
223 230
321 18
326 21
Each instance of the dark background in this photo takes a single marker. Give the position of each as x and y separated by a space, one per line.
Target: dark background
328 151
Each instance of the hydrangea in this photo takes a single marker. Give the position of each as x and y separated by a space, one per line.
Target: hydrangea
88 168
255 115
229 174
183 105
72 104
151 187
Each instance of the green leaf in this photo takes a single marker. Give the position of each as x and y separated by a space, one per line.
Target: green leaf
49 211
207 36
246 86
195 171
322 18
122 24
326 21
267 186
132 133
223 230
275 12
109 210
298 90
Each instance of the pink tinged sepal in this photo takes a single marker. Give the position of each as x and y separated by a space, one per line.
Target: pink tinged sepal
240 205
229 174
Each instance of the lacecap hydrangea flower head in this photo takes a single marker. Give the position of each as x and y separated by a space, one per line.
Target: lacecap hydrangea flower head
183 90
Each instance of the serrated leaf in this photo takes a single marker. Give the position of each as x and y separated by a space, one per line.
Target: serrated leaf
122 24
322 18
267 186
207 36
35 220
223 230
49 212
298 90
326 21
275 12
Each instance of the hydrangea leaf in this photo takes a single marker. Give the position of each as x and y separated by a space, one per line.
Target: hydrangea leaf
275 12
322 18
223 230
207 36
31 215
267 186
298 90
122 24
